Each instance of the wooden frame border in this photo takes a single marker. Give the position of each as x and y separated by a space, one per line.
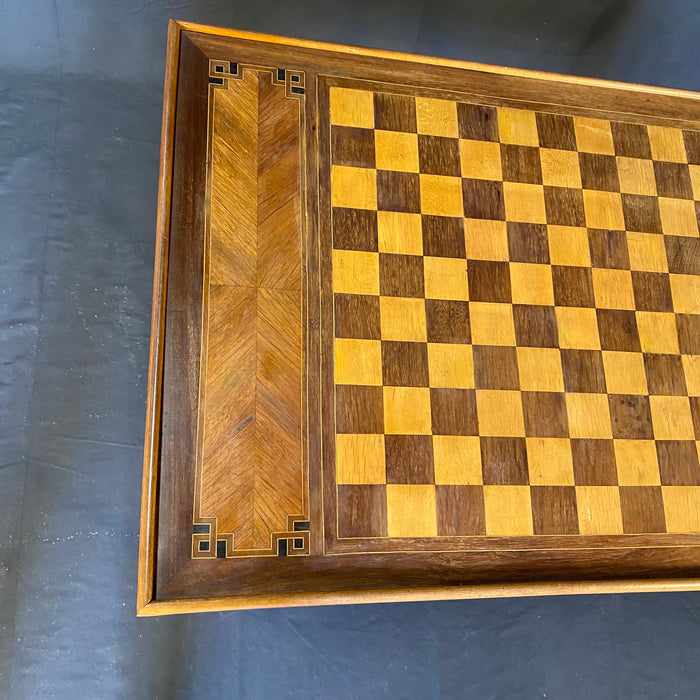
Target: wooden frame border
147 602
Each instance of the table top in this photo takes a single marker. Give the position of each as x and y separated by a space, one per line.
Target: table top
422 329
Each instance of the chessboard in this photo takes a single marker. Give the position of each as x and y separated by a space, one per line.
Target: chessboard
517 320
422 329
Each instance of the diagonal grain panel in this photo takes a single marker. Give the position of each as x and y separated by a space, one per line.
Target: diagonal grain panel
251 452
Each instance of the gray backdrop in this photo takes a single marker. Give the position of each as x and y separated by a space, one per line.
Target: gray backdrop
81 90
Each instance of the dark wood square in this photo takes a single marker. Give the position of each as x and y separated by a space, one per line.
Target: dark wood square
483 199
409 459
438 155
359 409
397 191
692 146
477 122
573 286
598 172
594 462
453 412
665 375
583 371
554 510
460 510
673 180
357 316
545 414
631 140
564 206
642 509
394 112
404 363
618 330
352 146
362 510
489 280
688 326
528 243
504 460
631 417
678 462
608 248
652 291
695 414
495 367
401 275
447 321
683 255
355 229
443 236
521 164
641 213
535 326
556 131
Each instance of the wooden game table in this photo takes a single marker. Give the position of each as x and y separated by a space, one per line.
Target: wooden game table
422 329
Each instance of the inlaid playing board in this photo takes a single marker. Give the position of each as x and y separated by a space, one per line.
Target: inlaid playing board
422 329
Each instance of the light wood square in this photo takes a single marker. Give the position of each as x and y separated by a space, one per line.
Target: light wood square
400 233
355 272
517 126
613 288
657 332
352 107
682 508
531 284
695 180
410 510
500 413
667 144
685 292
594 136
491 324
647 252
589 415
671 418
437 117
560 168
636 463
481 160
450 366
568 245
599 510
508 510
540 369
578 328
678 217
691 368
445 278
603 210
636 176
524 202
402 319
396 150
359 459
358 361
457 460
624 372
355 188
486 239
407 410
441 195
550 462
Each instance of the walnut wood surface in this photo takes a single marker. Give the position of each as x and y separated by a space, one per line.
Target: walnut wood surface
426 218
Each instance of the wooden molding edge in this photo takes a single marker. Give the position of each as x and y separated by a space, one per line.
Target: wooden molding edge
147 544
420 58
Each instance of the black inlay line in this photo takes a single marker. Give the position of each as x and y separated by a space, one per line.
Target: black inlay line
204 546
281 74
201 529
233 68
216 81
221 549
298 90
219 69
295 78
301 526
282 548
298 543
